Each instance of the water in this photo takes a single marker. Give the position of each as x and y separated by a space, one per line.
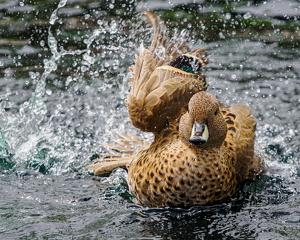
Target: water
62 95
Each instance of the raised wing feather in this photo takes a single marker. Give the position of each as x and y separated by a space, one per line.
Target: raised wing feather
159 87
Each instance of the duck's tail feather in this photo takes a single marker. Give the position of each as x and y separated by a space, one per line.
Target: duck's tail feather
125 146
107 165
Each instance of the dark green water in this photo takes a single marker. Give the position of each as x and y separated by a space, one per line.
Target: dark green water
64 77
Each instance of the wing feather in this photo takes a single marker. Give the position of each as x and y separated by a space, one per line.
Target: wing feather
159 91
241 133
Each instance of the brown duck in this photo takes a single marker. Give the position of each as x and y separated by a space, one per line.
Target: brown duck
201 147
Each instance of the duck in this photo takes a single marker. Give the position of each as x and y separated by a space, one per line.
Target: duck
202 148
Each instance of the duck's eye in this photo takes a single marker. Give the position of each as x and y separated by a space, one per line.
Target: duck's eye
216 112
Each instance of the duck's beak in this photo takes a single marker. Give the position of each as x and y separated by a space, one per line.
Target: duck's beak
199 134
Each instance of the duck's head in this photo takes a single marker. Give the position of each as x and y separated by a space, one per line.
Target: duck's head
203 125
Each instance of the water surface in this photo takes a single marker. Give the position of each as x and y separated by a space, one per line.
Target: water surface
62 94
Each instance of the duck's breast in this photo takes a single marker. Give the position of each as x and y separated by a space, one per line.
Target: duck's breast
177 175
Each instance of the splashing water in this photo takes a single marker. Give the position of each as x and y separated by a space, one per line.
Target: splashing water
53 123
37 137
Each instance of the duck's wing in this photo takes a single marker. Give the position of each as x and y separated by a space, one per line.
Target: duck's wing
241 127
125 147
164 77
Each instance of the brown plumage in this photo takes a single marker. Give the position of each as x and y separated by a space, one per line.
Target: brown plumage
159 87
200 151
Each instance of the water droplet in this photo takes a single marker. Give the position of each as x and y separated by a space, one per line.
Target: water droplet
49 65
42 43
247 15
113 27
111 6
88 58
100 22
84 69
49 92
227 16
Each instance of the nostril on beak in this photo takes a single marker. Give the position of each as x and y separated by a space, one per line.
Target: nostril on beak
197 140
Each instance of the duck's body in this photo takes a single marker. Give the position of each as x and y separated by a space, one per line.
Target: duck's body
201 148
176 173
170 173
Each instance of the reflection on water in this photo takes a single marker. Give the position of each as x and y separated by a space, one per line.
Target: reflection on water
62 94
